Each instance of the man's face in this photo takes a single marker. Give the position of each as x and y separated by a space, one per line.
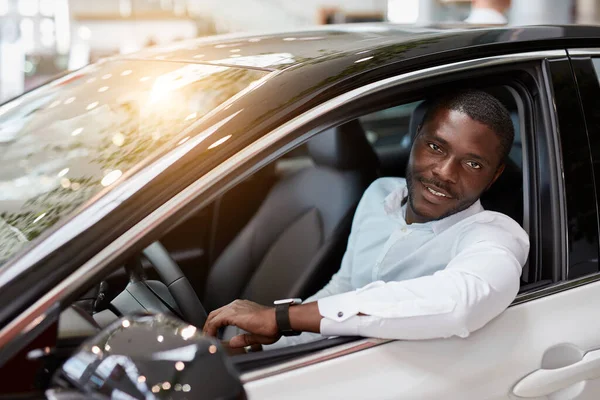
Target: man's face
454 159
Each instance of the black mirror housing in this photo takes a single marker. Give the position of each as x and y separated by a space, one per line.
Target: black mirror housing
151 356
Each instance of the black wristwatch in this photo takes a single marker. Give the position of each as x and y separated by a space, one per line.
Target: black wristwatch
282 316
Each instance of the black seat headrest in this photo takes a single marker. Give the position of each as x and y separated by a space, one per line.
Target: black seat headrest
416 119
344 147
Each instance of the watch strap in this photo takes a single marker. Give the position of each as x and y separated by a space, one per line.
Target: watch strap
282 317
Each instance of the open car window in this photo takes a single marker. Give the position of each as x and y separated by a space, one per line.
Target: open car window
395 125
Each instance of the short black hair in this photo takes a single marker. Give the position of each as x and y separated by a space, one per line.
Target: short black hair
483 108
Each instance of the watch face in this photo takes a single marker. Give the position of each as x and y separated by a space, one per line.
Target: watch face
288 301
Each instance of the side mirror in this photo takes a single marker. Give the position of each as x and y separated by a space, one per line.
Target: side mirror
151 356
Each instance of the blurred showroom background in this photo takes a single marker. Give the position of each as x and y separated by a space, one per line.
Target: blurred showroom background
40 39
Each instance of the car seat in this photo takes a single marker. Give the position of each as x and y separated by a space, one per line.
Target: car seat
295 241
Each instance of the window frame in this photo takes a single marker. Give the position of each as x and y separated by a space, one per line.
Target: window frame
557 116
587 79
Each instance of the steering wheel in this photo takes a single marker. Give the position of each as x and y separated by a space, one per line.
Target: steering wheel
178 284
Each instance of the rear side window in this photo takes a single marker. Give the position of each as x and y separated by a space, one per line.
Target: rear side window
390 127
596 62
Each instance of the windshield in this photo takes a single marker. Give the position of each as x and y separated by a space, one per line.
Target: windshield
66 141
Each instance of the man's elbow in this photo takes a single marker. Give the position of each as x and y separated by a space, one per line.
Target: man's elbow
460 322
464 322
467 320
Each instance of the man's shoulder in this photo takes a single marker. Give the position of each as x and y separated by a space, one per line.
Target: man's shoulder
492 226
382 187
375 196
496 219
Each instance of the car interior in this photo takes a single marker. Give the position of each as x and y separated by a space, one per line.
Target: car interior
303 241
279 233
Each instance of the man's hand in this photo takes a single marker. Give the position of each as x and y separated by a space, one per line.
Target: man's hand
251 317
235 351
260 321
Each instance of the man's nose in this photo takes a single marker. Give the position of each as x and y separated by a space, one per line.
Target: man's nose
446 170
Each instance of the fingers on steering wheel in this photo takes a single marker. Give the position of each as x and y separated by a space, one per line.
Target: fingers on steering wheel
214 322
249 339
216 318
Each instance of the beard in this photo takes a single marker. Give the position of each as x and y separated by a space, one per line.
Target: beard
459 205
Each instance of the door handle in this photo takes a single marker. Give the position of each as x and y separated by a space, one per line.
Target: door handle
546 381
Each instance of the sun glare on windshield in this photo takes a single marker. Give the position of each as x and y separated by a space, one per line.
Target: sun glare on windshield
66 141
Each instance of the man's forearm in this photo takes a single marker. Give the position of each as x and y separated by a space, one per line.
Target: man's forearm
306 317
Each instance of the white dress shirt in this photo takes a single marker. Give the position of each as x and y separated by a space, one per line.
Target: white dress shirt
486 16
419 281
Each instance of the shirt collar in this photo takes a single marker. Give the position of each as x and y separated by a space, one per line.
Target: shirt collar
392 205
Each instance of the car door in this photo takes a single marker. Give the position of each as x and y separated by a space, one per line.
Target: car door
546 345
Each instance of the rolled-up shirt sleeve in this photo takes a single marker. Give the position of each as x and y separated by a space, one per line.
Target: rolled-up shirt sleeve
479 282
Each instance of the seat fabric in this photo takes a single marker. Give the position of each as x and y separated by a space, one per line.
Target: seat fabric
292 245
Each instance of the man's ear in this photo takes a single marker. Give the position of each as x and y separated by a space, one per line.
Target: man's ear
496 175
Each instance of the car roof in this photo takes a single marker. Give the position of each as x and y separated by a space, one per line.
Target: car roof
283 50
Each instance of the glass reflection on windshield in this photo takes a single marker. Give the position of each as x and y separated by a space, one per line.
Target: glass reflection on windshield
63 143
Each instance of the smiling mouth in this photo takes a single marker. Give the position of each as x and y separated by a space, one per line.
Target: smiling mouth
436 193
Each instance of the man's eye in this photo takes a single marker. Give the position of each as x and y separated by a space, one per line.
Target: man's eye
473 165
434 146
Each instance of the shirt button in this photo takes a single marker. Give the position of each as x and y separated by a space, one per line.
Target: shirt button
403 229
340 314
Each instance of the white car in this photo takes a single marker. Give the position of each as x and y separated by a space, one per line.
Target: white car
142 190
